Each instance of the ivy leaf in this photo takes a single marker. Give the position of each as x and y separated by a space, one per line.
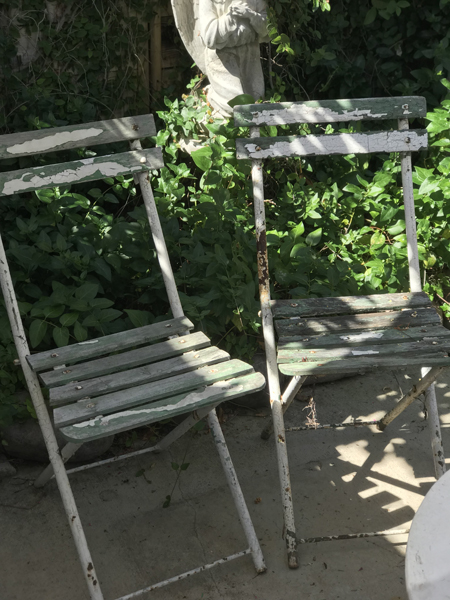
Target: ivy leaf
241 99
139 318
313 238
38 329
370 16
61 336
79 332
202 158
68 319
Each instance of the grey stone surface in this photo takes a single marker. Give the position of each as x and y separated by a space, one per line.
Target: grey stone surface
6 469
24 440
351 480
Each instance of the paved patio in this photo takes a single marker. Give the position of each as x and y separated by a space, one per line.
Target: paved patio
347 480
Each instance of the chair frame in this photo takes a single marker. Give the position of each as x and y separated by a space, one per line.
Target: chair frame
138 161
257 148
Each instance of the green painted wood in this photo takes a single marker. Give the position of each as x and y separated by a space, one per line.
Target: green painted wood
170 407
361 365
144 374
76 136
344 305
157 390
330 111
88 169
356 339
107 344
418 349
125 360
405 318
326 145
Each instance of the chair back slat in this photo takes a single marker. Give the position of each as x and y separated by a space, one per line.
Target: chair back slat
76 136
330 111
341 143
77 171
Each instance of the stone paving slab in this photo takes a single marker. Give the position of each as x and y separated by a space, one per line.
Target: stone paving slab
343 481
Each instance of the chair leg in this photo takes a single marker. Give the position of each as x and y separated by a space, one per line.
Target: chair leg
67 452
287 398
435 431
428 378
238 497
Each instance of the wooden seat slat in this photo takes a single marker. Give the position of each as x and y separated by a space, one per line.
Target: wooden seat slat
76 136
326 145
367 336
418 348
157 390
143 374
170 407
361 364
109 343
330 111
405 318
342 305
125 360
77 171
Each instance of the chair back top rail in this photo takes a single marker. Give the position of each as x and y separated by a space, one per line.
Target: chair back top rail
76 136
330 111
341 143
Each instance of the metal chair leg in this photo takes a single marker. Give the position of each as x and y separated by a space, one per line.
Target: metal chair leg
435 430
67 452
238 497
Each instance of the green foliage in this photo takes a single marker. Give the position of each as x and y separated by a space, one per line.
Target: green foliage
360 49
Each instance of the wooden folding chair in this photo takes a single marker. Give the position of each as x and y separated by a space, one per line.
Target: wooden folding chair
320 336
129 379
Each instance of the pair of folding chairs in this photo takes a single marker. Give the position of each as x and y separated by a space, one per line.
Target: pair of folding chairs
126 380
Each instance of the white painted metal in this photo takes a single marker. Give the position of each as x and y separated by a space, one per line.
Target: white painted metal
286 400
416 286
235 488
271 360
427 553
434 425
158 239
68 451
47 430
410 216
161 584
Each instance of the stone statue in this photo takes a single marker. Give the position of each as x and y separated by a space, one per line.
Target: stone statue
223 37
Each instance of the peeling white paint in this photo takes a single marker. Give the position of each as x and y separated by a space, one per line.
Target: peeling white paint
309 114
362 336
88 342
84 171
212 390
53 141
362 352
343 143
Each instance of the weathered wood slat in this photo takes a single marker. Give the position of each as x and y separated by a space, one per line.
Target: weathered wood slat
330 111
134 377
359 365
76 136
157 390
418 348
87 169
404 318
108 343
354 340
156 411
340 143
126 360
346 305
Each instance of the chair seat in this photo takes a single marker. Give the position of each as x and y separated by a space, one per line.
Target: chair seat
351 334
132 378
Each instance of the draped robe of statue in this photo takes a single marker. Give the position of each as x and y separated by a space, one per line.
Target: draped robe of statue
225 46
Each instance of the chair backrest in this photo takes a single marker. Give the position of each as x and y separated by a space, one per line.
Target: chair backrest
401 140
136 161
78 136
